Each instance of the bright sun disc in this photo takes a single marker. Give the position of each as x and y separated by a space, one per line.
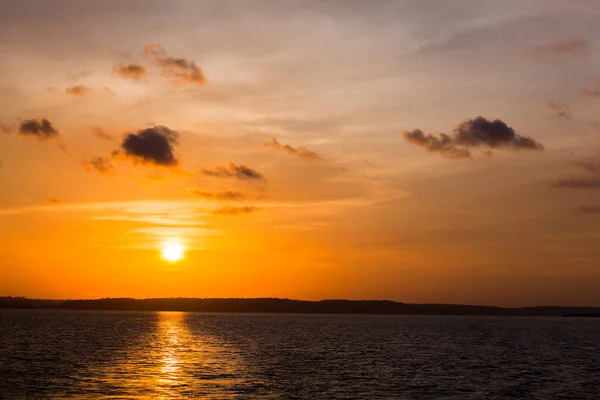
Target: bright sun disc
172 250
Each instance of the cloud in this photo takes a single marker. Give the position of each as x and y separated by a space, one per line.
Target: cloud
234 171
561 109
42 129
590 209
130 71
230 210
79 90
442 143
576 47
589 182
154 51
472 133
176 69
591 167
577 183
591 93
224 195
101 134
301 152
100 164
52 200
150 146
372 164
5 128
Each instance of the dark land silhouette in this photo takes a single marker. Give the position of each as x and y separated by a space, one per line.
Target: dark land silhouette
274 305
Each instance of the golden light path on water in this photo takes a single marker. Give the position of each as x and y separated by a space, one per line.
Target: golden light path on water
172 362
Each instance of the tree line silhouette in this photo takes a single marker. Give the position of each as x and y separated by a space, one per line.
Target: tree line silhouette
275 305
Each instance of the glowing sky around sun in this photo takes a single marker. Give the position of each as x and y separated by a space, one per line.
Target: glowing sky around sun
303 149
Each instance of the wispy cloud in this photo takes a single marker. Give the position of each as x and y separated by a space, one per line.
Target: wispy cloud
178 70
301 152
79 90
591 93
100 164
130 71
577 183
101 134
231 210
575 47
6 128
52 200
241 172
590 209
222 195
591 181
561 109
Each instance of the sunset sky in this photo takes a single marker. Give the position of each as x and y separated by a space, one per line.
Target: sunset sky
419 151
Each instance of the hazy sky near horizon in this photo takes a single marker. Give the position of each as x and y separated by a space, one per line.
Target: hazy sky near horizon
420 151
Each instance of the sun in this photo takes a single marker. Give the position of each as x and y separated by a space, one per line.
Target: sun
172 250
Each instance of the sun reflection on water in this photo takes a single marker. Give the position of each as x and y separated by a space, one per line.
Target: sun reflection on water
175 358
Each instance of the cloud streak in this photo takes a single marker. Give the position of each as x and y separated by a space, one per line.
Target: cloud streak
575 47
240 172
101 134
230 210
472 133
561 109
592 181
577 183
178 70
590 209
130 71
223 195
301 152
78 90
100 164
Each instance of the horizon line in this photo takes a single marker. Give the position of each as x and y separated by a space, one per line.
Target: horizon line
297 300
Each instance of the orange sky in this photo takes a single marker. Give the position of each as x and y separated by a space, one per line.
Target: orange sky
302 149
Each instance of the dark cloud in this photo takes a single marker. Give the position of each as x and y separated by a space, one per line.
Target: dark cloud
176 69
472 133
101 134
301 152
230 210
100 164
234 171
495 134
79 90
150 146
590 209
576 47
224 195
442 143
42 129
130 71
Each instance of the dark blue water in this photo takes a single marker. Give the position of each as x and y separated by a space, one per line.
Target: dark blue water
78 355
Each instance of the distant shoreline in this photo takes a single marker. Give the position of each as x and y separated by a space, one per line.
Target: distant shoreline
287 306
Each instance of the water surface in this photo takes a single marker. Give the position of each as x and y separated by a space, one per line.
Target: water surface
169 355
